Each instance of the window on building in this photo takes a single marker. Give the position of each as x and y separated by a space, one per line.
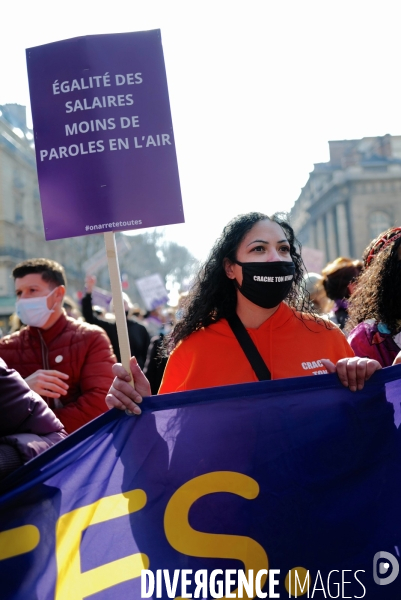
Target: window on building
379 221
18 195
18 206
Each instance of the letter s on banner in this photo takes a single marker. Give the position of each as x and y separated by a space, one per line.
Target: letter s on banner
71 582
187 540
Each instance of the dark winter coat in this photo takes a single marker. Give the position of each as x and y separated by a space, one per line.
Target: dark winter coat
27 425
137 334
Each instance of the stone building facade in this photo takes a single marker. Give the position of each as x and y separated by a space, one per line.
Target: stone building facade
21 223
349 200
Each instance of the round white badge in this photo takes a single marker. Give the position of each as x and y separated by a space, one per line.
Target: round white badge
58 359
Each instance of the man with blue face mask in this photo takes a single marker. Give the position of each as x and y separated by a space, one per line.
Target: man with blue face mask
66 361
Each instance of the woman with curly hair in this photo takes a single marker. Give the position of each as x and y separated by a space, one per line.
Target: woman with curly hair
247 318
375 306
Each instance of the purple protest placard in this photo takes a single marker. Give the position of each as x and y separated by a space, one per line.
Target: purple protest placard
104 139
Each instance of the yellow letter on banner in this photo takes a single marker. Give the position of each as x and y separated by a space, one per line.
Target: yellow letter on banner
195 543
71 582
19 540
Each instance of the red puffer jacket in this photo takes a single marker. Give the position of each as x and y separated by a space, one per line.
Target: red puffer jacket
80 350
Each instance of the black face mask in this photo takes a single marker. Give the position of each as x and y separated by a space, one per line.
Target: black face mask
266 284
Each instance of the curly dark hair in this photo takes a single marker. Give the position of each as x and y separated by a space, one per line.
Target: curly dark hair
378 291
213 295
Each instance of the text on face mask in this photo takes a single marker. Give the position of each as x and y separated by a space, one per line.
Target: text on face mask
275 279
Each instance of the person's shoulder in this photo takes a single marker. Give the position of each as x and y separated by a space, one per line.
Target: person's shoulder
203 338
84 329
87 340
317 323
14 339
205 334
364 328
133 324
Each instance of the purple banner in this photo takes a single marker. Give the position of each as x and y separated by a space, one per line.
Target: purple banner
104 139
298 479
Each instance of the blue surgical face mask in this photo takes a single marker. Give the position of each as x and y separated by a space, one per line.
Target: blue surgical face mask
34 311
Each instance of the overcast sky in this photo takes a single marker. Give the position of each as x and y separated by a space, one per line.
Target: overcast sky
257 88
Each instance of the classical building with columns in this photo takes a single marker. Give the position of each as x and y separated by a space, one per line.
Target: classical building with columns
349 200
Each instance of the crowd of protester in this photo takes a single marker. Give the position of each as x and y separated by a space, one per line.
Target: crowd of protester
363 297
58 363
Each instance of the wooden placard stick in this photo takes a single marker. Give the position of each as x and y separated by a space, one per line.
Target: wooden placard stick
118 302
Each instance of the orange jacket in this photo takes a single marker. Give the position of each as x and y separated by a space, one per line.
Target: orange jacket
291 346
78 349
